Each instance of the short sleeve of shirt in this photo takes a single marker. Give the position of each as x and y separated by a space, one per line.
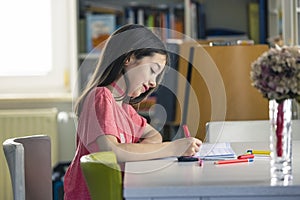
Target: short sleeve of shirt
89 128
105 111
140 121
101 115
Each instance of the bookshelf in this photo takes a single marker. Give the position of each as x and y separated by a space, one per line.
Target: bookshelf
167 14
197 19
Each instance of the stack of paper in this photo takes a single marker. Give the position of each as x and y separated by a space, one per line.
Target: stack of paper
216 151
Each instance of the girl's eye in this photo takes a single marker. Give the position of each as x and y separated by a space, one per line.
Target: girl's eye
154 69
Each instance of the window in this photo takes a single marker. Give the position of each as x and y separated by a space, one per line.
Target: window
37 45
26 40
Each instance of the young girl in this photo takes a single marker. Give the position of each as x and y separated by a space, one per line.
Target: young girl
132 65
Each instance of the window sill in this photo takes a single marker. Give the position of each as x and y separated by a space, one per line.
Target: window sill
50 97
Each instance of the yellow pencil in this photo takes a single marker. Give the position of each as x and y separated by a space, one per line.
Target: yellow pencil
260 152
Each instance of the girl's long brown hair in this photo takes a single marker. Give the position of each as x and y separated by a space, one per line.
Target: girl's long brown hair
128 40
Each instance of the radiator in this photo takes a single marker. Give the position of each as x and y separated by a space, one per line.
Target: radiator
16 123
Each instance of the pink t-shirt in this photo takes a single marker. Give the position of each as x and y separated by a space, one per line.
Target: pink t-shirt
101 115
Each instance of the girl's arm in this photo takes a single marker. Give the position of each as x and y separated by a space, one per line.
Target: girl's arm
140 151
151 135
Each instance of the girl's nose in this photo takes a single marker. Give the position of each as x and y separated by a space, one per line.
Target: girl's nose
152 83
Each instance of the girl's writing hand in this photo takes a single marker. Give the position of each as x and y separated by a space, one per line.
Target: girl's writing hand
187 146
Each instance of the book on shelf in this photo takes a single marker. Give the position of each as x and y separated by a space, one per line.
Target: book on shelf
98 29
130 15
201 26
140 16
195 20
253 11
258 21
82 36
262 21
167 19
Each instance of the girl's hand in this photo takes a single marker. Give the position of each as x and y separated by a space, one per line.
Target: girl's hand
187 146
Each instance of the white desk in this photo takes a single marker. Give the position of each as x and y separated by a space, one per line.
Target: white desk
167 179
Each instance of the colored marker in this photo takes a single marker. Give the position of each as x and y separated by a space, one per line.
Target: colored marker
221 162
261 152
245 156
200 161
186 131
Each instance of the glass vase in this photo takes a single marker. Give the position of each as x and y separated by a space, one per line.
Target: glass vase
281 142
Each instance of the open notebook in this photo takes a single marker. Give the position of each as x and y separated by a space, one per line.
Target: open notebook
216 151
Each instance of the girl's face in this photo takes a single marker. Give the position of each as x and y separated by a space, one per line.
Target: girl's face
142 73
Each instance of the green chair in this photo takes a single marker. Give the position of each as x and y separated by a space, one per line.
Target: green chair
103 175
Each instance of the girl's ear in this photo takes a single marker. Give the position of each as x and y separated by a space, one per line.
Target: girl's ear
130 60
127 61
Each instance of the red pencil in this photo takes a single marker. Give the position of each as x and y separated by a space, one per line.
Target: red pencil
221 162
245 156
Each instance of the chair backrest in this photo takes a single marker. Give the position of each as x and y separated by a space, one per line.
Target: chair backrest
29 162
103 175
243 131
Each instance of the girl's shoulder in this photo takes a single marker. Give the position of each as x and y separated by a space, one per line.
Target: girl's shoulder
100 94
103 93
